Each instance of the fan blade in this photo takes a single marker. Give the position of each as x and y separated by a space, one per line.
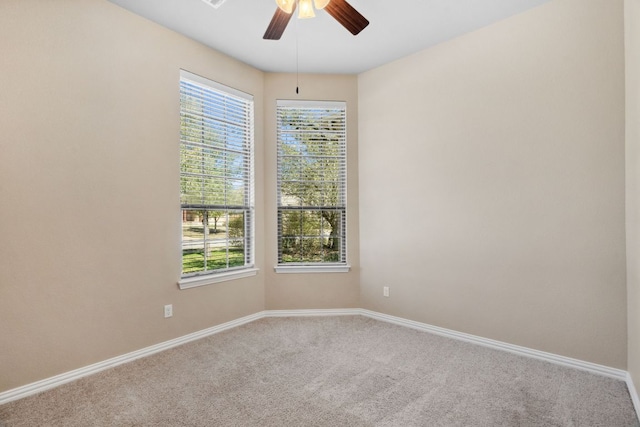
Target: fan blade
278 24
346 15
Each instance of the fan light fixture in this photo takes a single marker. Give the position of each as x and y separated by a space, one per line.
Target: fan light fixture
340 10
306 8
286 5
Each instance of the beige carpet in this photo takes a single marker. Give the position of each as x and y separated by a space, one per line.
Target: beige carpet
330 371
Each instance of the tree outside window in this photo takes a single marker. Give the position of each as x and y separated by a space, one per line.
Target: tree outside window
311 182
216 137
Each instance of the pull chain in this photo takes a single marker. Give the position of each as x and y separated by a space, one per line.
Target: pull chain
297 56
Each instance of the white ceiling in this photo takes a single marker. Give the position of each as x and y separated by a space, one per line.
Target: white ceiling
397 28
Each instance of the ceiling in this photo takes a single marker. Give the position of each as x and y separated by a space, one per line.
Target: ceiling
321 45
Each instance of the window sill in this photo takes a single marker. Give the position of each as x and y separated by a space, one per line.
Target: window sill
312 268
209 279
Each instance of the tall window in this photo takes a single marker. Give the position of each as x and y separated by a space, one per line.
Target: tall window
216 177
311 183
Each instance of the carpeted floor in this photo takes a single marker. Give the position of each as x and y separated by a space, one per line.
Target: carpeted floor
330 371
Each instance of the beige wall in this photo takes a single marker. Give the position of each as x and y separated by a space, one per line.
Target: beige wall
632 57
311 290
89 188
492 182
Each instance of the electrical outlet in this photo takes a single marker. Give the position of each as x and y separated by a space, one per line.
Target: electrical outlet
385 291
168 310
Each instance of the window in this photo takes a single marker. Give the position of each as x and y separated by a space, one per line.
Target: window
311 186
216 180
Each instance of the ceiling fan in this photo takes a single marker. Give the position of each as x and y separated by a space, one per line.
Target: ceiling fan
342 11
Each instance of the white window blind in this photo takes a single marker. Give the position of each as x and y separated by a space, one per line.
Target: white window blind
312 176
216 176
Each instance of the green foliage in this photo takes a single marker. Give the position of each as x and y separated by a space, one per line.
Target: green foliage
214 166
213 159
197 234
308 237
311 160
236 230
193 260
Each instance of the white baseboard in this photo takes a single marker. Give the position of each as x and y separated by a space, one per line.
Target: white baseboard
312 312
46 384
594 368
58 380
633 393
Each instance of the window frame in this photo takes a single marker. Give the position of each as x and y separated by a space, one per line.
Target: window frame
341 266
247 206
